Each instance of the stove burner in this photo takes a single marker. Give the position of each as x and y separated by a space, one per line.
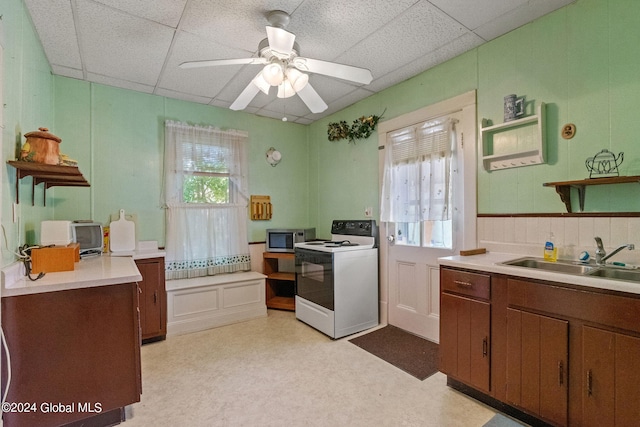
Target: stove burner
339 243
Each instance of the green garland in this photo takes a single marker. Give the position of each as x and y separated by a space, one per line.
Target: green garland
361 128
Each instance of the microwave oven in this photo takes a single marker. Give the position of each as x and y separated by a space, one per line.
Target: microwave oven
283 239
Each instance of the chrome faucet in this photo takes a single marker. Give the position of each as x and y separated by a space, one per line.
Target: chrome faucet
601 254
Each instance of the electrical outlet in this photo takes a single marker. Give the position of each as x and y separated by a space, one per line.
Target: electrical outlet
368 212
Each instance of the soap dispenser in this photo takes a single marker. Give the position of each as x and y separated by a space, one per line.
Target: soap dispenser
550 249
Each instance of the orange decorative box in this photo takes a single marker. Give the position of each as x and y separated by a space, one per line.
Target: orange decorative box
55 258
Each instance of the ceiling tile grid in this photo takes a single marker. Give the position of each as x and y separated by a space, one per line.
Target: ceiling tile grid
139 44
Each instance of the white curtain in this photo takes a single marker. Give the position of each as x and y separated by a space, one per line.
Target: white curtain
417 177
205 238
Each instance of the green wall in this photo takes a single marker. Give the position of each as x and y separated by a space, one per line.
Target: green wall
581 60
117 136
28 104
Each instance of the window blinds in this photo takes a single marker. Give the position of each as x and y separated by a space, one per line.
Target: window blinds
420 141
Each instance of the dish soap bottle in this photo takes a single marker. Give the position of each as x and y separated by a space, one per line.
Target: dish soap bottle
550 249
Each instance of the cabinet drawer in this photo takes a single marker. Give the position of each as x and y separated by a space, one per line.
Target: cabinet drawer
465 283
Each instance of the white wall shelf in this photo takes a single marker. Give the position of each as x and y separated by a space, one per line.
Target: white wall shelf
533 155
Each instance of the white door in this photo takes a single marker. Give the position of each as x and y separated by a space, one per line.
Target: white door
410 281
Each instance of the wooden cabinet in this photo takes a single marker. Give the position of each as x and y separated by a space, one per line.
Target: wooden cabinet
465 327
153 299
537 369
611 388
280 285
79 348
560 354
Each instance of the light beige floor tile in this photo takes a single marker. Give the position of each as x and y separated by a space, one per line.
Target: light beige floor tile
277 371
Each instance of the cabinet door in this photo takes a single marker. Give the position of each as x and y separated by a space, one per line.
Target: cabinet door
537 354
152 298
611 377
464 339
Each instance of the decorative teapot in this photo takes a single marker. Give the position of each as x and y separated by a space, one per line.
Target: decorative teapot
604 164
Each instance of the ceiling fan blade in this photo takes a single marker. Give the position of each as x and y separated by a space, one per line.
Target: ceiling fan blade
217 62
333 69
245 97
310 97
280 41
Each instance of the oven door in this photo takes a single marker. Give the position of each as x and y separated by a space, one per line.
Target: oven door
314 276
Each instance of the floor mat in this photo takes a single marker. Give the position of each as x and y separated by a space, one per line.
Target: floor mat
412 354
500 420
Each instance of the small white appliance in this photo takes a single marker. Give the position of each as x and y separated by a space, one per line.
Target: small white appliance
56 233
337 280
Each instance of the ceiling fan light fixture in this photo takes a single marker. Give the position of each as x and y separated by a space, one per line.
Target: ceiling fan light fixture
272 73
261 83
285 90
297 79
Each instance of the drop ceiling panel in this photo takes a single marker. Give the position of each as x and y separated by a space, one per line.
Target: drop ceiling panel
424 28
240 24
456 47
324 30
482 11
122 46
138 44
54 24
166 12
515 18
208 81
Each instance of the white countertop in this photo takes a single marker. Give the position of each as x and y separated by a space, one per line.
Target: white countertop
89 272
140 254
491 262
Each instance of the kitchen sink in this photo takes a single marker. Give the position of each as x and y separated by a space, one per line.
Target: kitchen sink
578 269
616 273
558 266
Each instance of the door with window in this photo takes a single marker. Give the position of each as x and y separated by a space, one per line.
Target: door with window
428 207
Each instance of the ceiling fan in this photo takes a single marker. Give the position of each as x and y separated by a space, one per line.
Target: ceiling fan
284 68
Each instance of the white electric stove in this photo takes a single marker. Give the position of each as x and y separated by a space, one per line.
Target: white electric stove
337 280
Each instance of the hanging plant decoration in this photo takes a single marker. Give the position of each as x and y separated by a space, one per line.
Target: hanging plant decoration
338 131
361 128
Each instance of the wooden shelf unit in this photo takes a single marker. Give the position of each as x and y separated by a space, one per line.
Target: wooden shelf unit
280 285
533 156
563 188
50 175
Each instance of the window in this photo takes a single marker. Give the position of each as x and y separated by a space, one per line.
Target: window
206 199
208 180
417 183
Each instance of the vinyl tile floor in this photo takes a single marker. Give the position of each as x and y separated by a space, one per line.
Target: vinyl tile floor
278 371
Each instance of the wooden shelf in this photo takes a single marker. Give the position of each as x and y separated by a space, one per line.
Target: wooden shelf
563 188
280 285
50 175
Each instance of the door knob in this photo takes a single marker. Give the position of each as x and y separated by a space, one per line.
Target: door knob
391 238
